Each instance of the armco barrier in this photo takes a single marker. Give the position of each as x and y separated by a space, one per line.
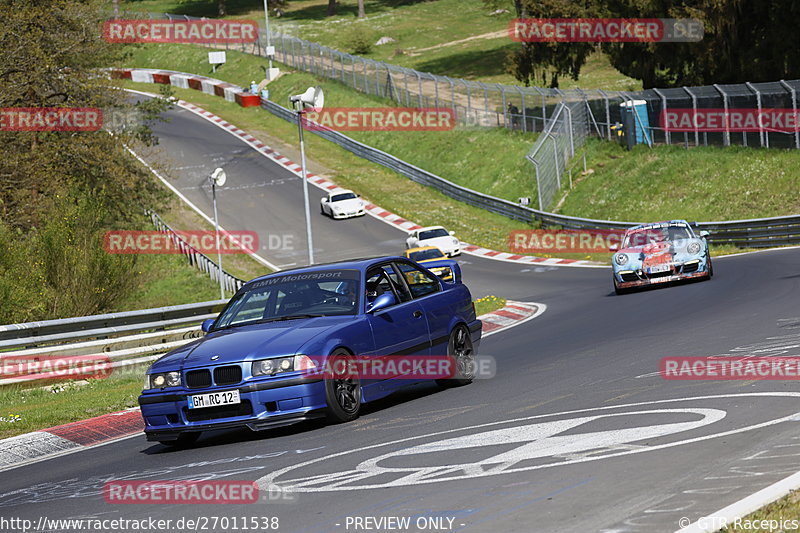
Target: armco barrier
752 233
229 91
127 338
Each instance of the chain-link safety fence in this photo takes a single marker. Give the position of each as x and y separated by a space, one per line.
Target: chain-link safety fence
196 258
564 132
529 108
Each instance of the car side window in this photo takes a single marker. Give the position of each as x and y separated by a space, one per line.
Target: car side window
400 288
420 283
384 279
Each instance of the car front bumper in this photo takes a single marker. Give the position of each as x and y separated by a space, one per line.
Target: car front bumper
264 404
622 277
349 214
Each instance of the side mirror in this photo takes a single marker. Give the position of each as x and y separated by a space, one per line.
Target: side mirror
613 248
704 234
381 302
206 325
452 233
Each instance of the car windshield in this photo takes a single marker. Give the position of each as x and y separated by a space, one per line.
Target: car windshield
343 196
312 294
432 234
649 235
423 255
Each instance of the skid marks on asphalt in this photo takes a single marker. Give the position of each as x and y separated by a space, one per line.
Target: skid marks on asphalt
421 419
740 478
197 470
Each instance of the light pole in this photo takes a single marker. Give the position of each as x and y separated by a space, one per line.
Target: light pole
269 39
315 99
218 178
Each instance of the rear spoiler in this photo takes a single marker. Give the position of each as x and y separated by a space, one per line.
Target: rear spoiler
449 263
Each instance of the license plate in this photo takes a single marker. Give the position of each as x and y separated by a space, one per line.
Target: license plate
214 399
659 268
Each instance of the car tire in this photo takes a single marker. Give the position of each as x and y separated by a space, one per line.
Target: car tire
322 210
184 440
710 268
460 348
342 393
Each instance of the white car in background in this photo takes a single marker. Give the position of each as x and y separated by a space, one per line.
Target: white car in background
342 204
435 236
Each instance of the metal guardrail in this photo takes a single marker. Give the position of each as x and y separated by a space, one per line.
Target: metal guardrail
528 108
125 339
752 233
197 258
33 334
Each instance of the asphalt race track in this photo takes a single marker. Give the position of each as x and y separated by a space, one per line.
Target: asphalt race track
576 432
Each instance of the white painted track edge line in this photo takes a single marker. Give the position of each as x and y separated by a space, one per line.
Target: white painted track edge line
744 506
79 448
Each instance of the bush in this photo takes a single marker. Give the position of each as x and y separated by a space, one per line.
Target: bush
61 268
359 42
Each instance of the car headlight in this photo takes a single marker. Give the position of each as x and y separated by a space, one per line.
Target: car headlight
162 380
621 259
693 248
455 241
270 367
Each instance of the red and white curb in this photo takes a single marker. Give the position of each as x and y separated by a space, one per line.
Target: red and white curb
146 75
512 314
69 438
76 436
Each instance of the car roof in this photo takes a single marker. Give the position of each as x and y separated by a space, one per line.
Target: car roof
339 191
421 248
348 264
430 227
676 222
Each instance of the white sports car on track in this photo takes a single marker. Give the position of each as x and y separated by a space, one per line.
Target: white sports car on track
342 204
434 236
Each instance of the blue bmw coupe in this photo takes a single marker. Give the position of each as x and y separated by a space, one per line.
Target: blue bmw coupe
260 363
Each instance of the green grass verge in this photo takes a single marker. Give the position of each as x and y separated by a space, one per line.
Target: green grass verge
702 183
786 509
489 160
487 304
665 182
379 185
455 38
24 409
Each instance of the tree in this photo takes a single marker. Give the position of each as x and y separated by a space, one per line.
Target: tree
548 61
744 40
361 12
331 8
221 8
60 190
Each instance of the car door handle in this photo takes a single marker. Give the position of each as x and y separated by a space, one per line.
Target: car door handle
416 314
